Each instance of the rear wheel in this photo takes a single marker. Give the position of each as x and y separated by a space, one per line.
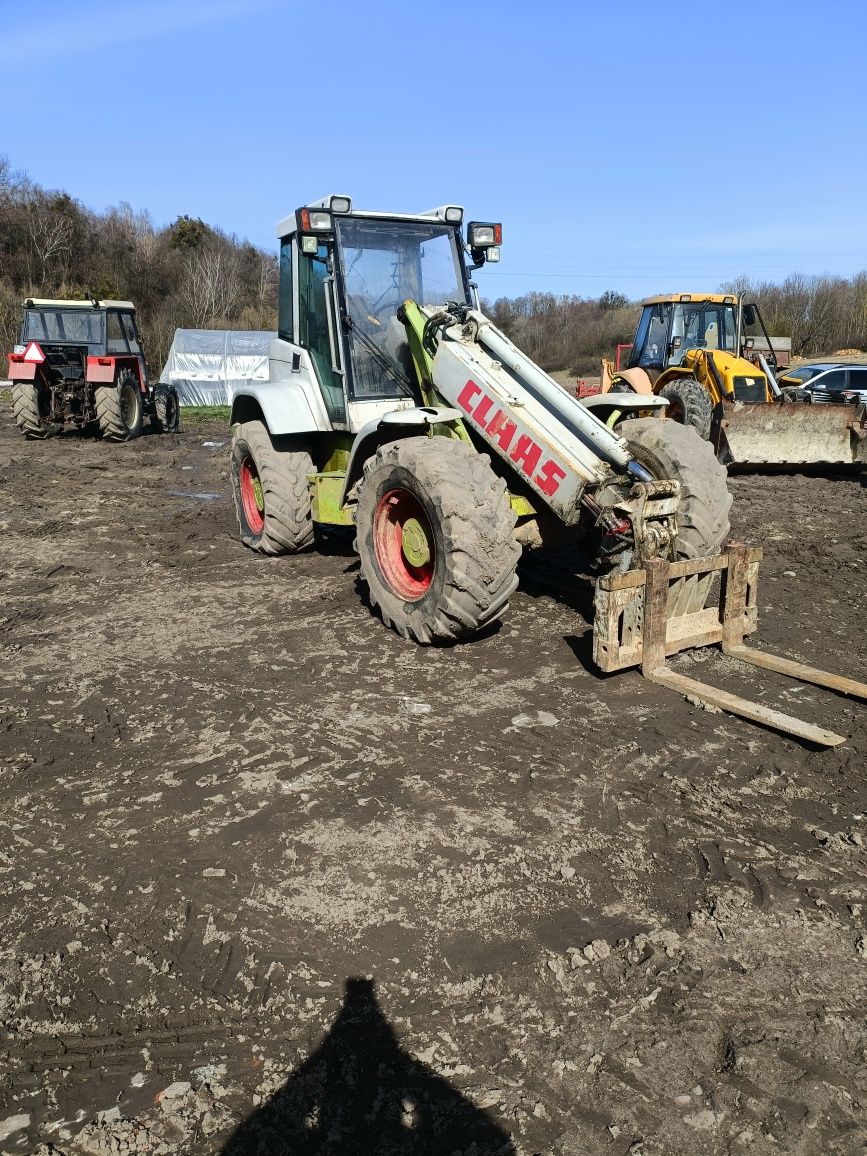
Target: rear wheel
689 403
272 498
31 405
166 412
119 408
670 450
435 538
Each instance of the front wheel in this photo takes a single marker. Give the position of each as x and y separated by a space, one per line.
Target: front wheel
31 406
435 538
794 395
272 498
165 417
689 403
119 408
673 451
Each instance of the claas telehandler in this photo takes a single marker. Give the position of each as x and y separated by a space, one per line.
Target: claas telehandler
701 353
396 407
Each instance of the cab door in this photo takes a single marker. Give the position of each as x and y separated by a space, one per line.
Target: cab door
318 331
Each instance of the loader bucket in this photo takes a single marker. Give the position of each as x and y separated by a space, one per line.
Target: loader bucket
793 434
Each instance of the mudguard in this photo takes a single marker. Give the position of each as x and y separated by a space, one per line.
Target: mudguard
604 404
391 426
285 407
21 370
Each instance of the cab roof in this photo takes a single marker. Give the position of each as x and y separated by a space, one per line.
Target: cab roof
60 303
716 298
287 226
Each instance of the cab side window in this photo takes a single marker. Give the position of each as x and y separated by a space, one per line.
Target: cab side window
313 285
115 342
130 331
285 312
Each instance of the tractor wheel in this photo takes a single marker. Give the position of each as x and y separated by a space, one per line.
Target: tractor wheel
119 408
689 403
272 499
670 450
31 407
166 412
435 538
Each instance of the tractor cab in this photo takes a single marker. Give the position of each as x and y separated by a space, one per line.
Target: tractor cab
344 275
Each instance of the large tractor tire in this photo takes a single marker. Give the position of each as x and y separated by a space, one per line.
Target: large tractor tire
31 407
689 403
272 499
166 412
435 538
120 408
671 450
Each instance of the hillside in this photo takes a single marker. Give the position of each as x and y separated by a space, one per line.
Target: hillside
184 275
190 274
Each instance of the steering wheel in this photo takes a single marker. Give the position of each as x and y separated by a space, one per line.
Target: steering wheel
377 313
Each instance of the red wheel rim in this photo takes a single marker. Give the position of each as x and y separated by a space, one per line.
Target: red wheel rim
252 498
403 544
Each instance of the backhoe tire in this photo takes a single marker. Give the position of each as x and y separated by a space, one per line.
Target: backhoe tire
272 499
689 403
435 535
30 407
671 450
120 408
166 412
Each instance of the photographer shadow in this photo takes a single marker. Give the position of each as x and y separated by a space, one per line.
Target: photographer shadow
361 1094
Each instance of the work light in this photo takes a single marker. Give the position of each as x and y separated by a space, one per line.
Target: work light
314 220
484 235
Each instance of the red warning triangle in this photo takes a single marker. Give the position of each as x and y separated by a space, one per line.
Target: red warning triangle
34 353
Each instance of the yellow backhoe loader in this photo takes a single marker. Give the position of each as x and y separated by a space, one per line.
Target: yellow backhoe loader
700 352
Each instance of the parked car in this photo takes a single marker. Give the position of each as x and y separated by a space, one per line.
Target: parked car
828 382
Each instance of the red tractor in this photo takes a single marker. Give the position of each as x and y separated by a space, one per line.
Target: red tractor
81 362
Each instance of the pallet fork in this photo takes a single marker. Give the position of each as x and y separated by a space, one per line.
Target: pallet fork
635 627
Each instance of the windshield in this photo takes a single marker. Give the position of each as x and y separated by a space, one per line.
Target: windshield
702 325
76 326
384 264
802 374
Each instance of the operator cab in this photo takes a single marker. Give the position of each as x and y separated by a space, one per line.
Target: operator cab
344 275
670 326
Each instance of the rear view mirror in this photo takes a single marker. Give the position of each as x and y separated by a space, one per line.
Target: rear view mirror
749 343
676 342
749 314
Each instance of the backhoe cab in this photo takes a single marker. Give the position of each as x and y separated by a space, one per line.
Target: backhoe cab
696 352
393 405
672 330
701 352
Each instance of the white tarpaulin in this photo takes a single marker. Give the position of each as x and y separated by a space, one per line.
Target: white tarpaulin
206 366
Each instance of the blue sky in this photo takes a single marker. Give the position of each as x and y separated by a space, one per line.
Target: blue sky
621 144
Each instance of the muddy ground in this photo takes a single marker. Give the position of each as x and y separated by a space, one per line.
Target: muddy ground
273 880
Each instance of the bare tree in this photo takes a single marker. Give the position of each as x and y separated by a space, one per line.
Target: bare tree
50 234
210 285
